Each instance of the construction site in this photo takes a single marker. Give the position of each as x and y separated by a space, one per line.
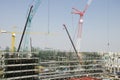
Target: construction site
28 63
58 66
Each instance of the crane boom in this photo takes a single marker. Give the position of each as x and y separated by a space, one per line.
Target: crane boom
25 35
70 38
72 44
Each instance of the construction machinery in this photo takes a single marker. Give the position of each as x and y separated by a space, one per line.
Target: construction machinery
79 32
20 66
25 37
12 39
72 43
77 47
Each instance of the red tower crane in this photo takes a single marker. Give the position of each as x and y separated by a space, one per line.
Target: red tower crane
79 32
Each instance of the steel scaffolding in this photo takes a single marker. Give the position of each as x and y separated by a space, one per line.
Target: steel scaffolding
15 67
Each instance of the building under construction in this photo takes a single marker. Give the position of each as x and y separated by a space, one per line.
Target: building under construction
55 66
23 67
18 67
66 66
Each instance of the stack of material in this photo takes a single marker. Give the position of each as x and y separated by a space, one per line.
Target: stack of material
84 78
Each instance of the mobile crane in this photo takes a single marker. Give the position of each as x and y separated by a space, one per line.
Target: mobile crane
79 32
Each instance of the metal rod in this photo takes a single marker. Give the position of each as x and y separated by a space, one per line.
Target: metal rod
24 29
31 44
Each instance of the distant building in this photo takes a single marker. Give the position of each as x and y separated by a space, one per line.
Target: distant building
112 62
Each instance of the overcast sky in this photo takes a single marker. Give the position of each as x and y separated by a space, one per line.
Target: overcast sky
101 23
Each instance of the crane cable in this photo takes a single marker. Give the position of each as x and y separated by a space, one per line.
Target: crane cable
48 16
76 28
108 41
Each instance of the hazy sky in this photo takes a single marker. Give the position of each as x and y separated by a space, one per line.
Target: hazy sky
101 23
